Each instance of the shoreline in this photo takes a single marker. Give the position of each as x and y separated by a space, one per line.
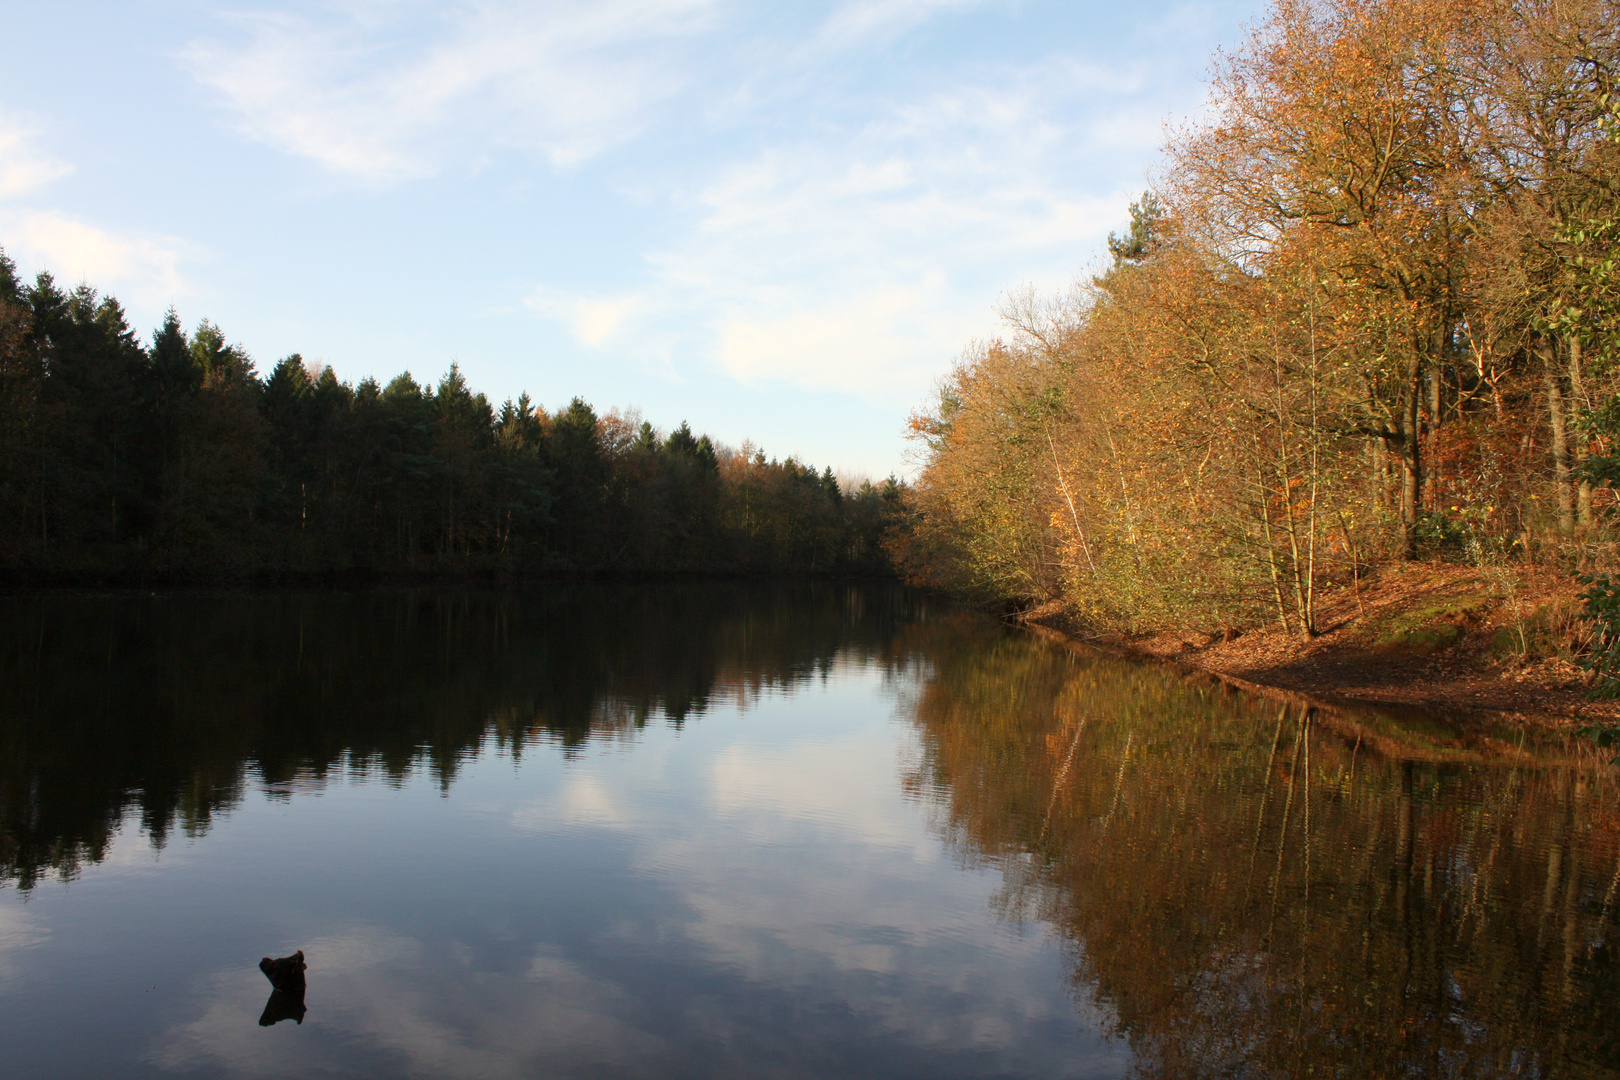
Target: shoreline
1397 730
1468 648
19 584
1421 639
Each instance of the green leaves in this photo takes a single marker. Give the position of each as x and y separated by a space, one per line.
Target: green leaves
1147 225
1601 608
1605 737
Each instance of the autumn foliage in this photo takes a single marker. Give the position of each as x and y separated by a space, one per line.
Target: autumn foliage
1366 313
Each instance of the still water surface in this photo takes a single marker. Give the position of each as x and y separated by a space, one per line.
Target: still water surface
735 831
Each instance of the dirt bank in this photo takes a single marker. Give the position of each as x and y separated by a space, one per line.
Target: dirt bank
1452 640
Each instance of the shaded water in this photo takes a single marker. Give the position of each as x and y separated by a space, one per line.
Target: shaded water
719 830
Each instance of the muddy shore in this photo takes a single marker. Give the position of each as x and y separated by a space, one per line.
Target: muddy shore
1497 645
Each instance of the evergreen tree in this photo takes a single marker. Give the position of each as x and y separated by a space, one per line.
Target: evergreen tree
1147 219
576 456
179 460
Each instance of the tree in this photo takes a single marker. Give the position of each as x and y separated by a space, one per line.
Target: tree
581 470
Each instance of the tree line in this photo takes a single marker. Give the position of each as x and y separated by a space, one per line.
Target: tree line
177 461
1366 313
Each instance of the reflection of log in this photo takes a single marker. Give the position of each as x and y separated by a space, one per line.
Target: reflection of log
283 1005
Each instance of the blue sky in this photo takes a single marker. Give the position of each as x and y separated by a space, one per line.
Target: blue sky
781 222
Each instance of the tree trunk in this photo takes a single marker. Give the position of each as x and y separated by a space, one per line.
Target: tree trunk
1271 551
1380 473
1411 457
1577 387
1432 480
1560 436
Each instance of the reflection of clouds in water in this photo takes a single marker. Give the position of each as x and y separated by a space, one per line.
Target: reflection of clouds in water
809 876
814 885
19 930
844 785
800 915
582 799
854 927
436 1015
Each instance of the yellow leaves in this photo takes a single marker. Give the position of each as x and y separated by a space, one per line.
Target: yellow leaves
1321 258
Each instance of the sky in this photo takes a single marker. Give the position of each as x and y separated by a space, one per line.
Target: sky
780 222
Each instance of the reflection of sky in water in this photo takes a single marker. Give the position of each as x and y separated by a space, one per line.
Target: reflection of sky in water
749 896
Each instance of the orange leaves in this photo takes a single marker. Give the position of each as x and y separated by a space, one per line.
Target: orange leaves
1320 330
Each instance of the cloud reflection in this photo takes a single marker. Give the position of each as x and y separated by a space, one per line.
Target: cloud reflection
19 930
428 1013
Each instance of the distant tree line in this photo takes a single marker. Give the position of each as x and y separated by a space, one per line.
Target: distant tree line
177 460
1368 313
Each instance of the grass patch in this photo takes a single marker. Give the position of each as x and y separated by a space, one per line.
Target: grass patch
1432 627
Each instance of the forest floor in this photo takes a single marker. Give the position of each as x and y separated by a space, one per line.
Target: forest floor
1454 640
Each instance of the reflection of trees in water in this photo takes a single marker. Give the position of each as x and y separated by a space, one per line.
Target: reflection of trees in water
171 706
1251 894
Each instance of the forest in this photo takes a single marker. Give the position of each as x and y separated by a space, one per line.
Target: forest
1365 315
177 462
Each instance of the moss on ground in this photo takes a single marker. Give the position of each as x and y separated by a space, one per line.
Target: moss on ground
1432 627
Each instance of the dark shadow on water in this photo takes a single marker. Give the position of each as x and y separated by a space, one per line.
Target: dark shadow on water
172 706
283 1005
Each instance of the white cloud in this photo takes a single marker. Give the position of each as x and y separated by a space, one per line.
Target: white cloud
859 19
386 92
833 228
144 268
878 343
23 166
859 260
593 320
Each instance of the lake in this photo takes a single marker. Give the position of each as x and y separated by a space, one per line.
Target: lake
736 830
